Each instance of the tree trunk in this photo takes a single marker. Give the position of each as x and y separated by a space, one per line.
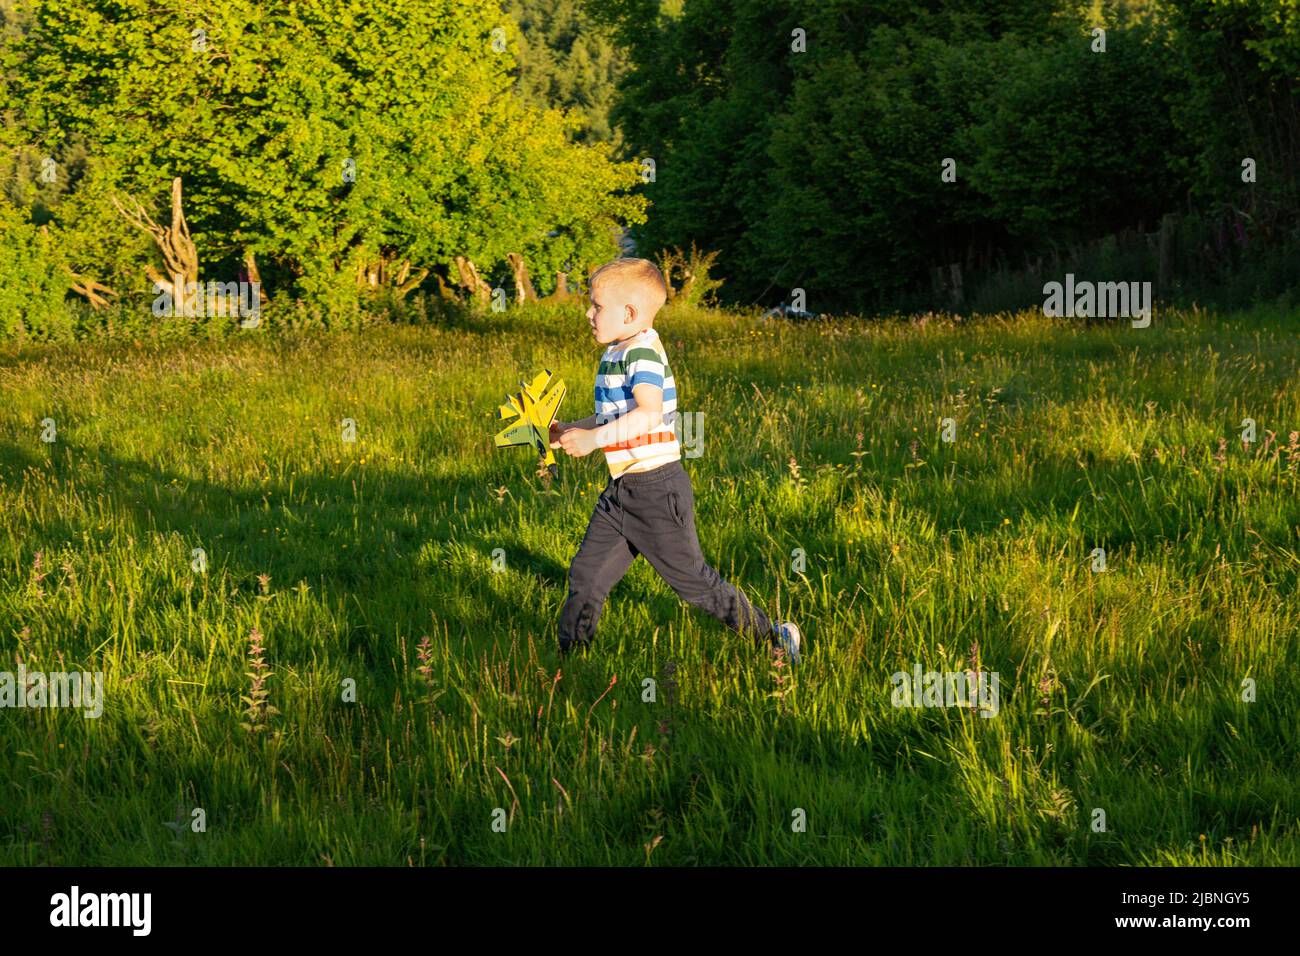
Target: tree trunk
562 292
470 279
688 280
250 266
666 267
444 290
92 290
175 244
405 288
524 291
379 273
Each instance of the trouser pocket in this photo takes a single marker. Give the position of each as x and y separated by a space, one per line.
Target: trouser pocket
675 510
681 501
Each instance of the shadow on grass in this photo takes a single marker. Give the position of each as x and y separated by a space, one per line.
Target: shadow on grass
356 536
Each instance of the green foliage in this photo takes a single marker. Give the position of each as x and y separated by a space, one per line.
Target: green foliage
855 179
267 111
490 134
1239 62
691 276
705 87
821 169
33 280
567 62
1060 155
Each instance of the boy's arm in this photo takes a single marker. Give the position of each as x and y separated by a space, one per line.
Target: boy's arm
637 421
558 428
645 376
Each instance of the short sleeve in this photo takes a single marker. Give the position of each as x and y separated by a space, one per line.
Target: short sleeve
645 366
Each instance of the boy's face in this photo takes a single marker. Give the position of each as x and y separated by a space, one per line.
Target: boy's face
608 312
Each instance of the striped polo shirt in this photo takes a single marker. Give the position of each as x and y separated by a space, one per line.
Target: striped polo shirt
641 360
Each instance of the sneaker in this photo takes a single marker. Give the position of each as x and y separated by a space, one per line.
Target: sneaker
788 638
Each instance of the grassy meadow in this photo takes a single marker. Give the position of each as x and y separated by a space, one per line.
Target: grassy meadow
369 564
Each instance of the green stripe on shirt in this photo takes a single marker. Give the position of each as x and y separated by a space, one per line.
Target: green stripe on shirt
634 355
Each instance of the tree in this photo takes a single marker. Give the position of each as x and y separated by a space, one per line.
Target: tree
568 62
302 139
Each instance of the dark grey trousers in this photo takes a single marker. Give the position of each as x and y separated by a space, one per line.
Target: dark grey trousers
651 513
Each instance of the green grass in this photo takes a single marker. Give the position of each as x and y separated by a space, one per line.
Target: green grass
1119 690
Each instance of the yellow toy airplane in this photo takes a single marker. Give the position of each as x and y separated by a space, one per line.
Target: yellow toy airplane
533 410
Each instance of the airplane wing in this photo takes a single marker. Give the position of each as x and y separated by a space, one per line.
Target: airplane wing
520 433
550 404
532 410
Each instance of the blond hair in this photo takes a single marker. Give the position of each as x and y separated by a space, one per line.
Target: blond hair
639 277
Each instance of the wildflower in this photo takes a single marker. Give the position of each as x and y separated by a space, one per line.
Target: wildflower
37 575
795 475
258 710
425 655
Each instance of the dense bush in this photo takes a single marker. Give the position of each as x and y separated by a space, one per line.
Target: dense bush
804 143
820 168
33 282
301 138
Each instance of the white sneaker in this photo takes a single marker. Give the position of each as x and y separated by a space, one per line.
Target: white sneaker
788 638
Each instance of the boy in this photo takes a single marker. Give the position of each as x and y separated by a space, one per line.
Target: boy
648 505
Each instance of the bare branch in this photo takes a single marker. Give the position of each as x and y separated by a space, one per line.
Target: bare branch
178 251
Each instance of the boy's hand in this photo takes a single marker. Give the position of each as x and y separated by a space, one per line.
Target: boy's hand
557 429
578 441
